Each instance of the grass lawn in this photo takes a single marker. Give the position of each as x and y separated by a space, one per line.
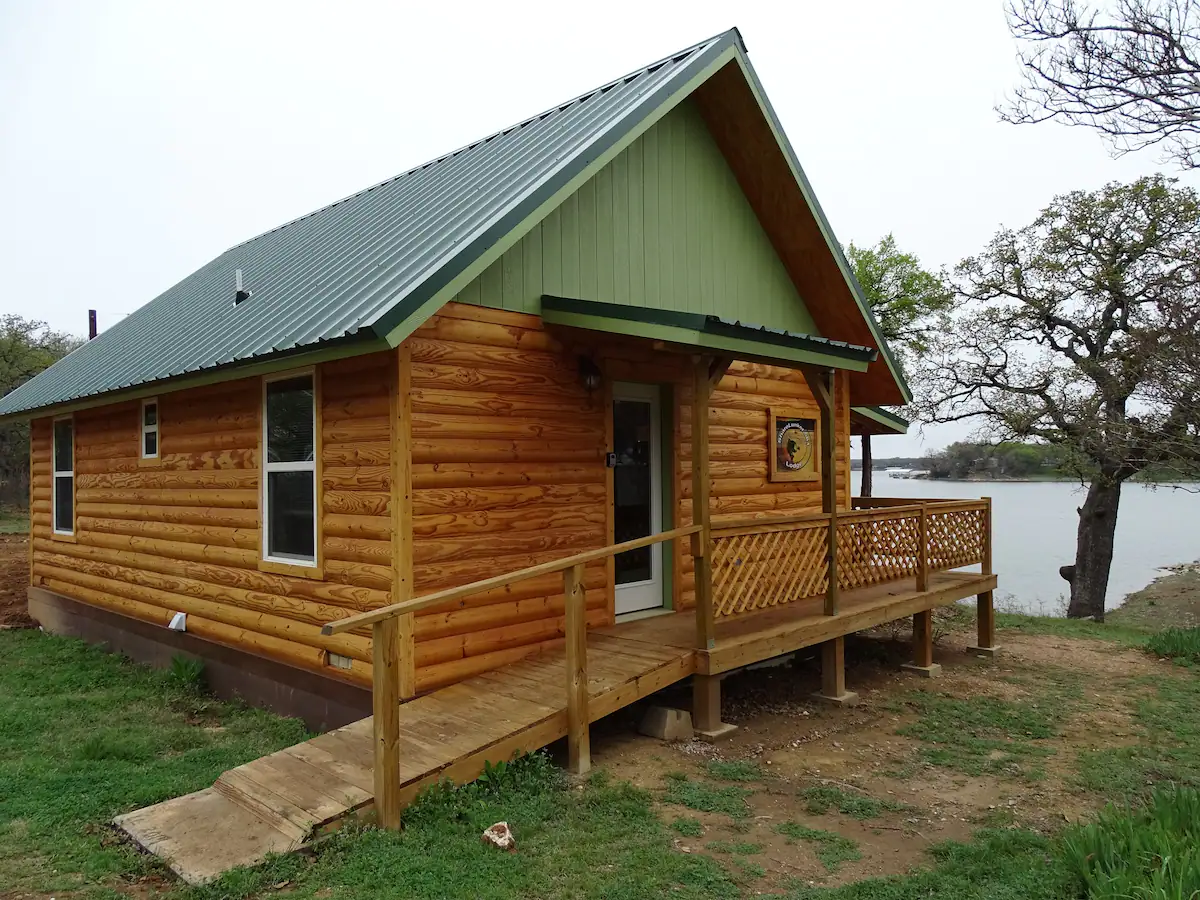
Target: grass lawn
85 735
13 521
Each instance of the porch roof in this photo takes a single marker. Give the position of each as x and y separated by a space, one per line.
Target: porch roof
708 332
876 420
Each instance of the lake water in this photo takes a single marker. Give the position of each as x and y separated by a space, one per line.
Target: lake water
1033 533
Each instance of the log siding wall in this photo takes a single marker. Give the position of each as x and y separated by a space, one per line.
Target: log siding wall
183 534
507 470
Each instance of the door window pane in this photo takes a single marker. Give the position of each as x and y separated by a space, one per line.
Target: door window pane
632 487
290 515
290 419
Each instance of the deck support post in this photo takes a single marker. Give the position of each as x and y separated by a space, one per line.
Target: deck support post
985 610
706 708
579 746
833 674
923 663
385 702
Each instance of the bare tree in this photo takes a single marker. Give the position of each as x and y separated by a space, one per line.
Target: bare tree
1081 330
1131 72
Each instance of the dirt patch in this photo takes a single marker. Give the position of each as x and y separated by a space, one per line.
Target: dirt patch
799 744
14 579
1172 601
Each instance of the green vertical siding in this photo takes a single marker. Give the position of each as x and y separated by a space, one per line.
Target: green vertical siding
664 225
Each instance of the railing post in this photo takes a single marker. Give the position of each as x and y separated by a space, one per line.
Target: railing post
579 748
923 550
701 542
385 702
987 536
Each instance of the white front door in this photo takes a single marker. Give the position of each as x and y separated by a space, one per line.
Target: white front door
637 495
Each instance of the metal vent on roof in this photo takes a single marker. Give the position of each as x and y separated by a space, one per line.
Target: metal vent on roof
239 293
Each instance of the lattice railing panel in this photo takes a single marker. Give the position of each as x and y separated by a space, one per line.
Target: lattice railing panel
877 549
956 538
761 569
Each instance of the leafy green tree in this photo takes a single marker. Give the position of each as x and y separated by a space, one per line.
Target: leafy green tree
909 302
26 348
1082 330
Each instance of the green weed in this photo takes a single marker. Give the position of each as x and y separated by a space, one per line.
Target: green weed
1182 645
687 826
822 798
1151 853
1003 864
740 848
983 734
831 849
735 770
186 673
697 795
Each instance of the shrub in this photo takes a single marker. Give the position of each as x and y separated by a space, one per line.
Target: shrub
1151 853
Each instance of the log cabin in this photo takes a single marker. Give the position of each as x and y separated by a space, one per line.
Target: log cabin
597 371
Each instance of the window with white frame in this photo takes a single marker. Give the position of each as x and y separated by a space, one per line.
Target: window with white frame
64 476
290 469
150 429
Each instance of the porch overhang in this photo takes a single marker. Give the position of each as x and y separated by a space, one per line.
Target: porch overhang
708 333
876 420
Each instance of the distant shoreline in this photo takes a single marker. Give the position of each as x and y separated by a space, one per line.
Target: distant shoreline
1049 479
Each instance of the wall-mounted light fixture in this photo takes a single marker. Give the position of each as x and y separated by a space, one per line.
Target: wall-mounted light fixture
589 374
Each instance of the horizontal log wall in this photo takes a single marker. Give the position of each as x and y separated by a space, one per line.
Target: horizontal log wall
183 533
508 471
740 447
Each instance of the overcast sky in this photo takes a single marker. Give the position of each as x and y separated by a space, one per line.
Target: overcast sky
139 140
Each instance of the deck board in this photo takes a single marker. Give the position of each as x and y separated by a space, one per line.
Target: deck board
276 803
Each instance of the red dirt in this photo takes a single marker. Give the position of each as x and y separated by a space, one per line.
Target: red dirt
14 579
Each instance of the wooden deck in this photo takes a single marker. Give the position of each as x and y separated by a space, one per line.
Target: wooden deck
752 637
276 803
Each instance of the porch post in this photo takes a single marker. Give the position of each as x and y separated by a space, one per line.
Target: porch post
701 543
706 689
985 611
827 399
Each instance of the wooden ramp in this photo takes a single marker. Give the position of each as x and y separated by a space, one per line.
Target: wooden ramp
274 804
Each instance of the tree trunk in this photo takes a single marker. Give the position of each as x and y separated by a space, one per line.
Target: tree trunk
1094 550
865 489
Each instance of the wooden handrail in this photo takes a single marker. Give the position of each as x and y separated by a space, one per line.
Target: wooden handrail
910 507
498 581
384 683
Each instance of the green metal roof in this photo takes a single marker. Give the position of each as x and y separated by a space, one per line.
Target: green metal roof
353 270
708 332
360 272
